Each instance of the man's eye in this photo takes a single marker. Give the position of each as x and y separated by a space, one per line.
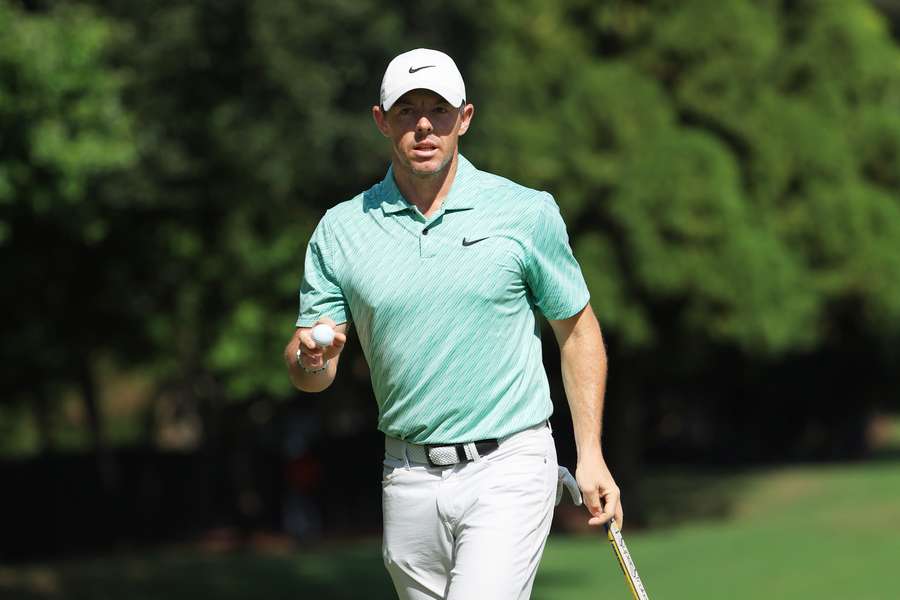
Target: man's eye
404 111
441 110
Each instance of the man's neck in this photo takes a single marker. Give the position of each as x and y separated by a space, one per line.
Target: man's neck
426 193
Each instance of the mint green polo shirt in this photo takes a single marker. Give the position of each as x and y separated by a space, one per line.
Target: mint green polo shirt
446 307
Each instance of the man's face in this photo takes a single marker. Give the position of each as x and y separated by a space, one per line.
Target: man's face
424 130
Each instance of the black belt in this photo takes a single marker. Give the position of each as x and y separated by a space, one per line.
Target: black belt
445 455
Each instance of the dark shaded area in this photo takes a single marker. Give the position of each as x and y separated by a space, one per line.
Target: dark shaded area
57 505
235 576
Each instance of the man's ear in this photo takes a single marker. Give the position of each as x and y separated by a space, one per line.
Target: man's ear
380 117
468 111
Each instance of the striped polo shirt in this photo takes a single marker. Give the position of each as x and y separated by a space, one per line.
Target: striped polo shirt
445 306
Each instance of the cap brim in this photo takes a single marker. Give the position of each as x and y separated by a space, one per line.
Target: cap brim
438 87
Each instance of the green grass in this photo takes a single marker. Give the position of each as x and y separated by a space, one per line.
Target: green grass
817 532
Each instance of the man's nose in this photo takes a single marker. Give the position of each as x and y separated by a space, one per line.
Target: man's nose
423 124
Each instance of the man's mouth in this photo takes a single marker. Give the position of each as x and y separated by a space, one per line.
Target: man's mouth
425 146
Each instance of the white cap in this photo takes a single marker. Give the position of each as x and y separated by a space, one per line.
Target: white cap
422 69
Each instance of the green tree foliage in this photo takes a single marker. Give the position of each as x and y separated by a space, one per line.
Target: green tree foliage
745 175
65 262
253 122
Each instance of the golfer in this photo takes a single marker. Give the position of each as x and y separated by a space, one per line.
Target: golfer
443 269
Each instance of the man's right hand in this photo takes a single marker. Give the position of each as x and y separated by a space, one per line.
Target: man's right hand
313 356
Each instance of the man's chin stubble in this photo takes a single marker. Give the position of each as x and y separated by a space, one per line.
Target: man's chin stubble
445 164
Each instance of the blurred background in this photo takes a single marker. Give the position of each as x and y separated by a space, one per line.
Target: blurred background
729 171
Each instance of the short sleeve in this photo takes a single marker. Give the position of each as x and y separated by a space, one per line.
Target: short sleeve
320 293
551 271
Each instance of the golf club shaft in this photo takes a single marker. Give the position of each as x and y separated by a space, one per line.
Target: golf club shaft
631 575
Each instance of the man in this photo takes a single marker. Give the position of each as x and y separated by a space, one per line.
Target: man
443 268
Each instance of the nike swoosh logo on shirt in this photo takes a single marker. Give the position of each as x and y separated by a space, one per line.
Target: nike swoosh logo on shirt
470 242
411 70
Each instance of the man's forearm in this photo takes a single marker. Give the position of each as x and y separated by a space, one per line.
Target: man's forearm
583 359
584 377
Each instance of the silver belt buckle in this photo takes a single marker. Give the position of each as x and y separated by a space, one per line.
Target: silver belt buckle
442 456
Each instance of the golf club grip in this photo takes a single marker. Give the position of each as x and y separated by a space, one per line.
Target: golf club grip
631 575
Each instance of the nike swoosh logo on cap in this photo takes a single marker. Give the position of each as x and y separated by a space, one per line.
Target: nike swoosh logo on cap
470 242
411 70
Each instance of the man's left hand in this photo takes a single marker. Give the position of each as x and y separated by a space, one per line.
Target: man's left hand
599 490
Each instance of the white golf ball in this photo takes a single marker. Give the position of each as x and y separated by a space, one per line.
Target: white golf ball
323 334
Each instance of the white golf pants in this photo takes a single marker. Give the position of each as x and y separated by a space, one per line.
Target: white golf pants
472 531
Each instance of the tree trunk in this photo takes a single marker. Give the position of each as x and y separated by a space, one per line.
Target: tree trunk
104 460
42 417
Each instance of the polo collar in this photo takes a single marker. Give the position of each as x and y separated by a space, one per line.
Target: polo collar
461 196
